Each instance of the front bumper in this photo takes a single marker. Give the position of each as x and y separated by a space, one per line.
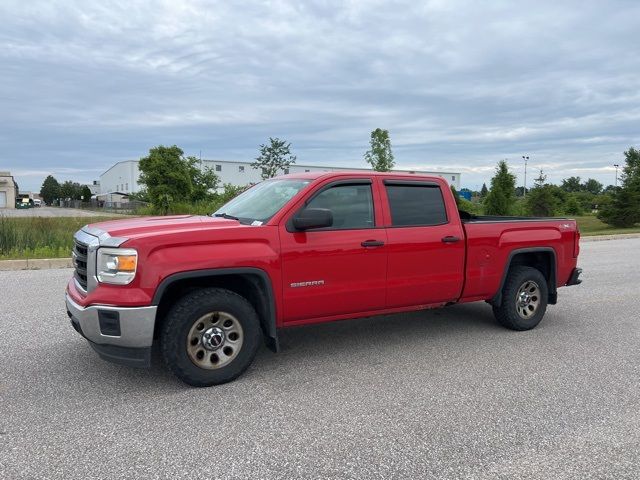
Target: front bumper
118 334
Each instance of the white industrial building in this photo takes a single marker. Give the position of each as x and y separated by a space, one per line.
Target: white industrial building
123 176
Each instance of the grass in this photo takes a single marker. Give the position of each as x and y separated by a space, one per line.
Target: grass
591 225
40 237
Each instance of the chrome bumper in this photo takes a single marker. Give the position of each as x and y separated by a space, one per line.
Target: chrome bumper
136 324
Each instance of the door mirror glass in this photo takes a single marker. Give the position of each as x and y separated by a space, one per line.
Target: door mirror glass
313 218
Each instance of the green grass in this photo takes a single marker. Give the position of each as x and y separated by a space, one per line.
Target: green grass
591 225
39 237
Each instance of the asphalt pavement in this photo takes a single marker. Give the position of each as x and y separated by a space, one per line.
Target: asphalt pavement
438 394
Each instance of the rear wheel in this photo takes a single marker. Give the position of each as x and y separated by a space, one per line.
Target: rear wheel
524 299
210 337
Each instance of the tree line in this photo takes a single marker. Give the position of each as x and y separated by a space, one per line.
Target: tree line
52 191
616 206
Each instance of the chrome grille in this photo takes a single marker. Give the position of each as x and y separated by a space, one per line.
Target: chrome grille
80 253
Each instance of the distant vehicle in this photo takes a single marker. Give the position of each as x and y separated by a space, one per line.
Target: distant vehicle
37 202
24 203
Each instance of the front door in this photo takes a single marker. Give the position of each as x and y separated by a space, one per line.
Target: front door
338 270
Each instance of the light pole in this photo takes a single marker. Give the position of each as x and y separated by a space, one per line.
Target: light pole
616 165
526 159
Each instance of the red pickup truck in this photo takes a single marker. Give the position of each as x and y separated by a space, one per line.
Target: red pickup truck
300 249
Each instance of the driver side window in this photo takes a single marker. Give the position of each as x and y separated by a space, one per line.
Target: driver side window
351 205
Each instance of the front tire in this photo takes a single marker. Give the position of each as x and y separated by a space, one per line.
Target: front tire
210 337
524 299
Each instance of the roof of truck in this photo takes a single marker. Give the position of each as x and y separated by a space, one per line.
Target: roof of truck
356 173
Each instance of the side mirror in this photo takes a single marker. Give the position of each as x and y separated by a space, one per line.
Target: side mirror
313 218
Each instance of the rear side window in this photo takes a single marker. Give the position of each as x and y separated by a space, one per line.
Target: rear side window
416 205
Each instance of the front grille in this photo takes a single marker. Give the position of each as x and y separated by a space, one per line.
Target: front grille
80 252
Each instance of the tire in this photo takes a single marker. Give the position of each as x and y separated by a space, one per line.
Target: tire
524 299
232 330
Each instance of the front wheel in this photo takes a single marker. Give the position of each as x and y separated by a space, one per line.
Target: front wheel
209 337
524 299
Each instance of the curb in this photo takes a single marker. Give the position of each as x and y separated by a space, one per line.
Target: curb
602 238
35 264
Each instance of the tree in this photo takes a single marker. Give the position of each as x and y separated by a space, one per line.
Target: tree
70 190
274 157
50 190
592 186
624 208
541 201
85 193
203 180
169 177
573 207
484 190
571 184
380 156
166 175
500 199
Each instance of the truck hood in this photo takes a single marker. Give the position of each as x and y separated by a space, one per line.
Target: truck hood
131 228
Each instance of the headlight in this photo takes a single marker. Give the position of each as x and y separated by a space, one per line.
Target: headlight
117 265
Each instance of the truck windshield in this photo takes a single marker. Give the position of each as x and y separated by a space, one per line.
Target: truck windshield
261 202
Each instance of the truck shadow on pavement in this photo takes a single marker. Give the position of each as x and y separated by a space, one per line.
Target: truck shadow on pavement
360 341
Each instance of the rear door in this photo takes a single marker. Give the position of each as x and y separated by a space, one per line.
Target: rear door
425 244
3 199
338 270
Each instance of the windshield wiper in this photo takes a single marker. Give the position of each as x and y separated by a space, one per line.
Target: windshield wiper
226 215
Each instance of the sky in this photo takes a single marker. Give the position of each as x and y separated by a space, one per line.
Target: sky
459 85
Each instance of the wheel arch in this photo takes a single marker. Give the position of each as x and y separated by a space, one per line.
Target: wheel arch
252 283
541 258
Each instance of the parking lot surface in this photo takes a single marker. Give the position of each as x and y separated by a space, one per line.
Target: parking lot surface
438 394
52 212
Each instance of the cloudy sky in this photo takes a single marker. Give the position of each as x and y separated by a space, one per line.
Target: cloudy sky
459 85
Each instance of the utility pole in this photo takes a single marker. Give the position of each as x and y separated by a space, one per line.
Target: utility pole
526 159
616 165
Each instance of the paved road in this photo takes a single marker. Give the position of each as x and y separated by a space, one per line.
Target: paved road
51 212
441 394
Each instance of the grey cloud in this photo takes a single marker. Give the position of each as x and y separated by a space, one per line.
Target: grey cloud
457 83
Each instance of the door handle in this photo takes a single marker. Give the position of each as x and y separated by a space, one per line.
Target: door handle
372 243
450 239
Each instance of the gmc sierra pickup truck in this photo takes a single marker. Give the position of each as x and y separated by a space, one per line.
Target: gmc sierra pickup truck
300 249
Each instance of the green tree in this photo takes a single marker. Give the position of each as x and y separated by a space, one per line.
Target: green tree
166 175
592 186
624 208
484 190
85 193
203 180
380 156
571 184
541 201
572 206
500 199
50 190
70 190
274 157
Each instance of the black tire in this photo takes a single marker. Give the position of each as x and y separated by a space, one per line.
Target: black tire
519 315
180 323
